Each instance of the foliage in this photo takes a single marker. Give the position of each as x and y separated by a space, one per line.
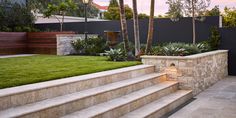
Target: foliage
116 55
204 46
143 16
113 3
214 40
213 12
199 7
59 9
180 49
229 17
15 17
33 69
121 46
175 8
113 12
156 50
173 49
41 5
91 46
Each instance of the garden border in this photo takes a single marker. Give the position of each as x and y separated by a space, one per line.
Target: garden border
196 72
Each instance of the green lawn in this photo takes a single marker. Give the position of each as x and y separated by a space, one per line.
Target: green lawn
27 70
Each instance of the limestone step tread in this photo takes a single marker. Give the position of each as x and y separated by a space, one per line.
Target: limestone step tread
37 86
29 108
157 105
112 104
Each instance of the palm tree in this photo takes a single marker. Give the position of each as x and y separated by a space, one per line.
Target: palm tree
124 27
136 28
193 23
151 27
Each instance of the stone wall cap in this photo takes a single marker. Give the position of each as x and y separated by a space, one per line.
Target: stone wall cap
185 57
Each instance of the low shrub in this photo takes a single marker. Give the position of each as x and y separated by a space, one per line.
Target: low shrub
116 55
121 46
214 39
91 46
156 50
173 49
180 49
203 46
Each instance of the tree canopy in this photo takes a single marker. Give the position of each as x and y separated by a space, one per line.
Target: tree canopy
229 17
41 5
113 12
15 17
213 12
175 8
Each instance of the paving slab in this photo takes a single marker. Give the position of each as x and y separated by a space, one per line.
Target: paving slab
18 55
218 101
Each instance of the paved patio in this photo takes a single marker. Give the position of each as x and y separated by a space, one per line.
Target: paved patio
18 55
219 101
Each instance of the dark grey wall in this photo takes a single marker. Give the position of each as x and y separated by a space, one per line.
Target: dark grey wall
228 42
165 30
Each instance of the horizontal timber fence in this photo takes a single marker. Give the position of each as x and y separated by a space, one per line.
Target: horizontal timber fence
43 42
31 42
13 43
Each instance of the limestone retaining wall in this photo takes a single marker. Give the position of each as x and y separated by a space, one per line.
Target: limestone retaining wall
196 72
64 46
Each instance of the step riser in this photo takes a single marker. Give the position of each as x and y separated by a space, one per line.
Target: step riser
120 111
171 106
46 93
99 98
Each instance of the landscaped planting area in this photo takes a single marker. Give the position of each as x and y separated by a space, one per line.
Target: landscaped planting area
27 70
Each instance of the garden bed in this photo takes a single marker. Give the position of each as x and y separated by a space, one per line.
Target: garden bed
196 72
28 70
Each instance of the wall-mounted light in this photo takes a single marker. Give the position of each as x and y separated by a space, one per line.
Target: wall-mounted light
172 71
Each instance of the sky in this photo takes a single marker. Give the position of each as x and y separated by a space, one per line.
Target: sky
161 7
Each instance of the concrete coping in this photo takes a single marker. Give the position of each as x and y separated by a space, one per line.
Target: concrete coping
195 56
74 35
53 83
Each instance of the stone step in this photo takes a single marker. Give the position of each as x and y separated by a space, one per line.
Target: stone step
62 105
162 106
17 96
120 106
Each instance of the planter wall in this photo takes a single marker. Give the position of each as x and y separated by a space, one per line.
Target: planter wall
64 46
196 72
13 43
43 42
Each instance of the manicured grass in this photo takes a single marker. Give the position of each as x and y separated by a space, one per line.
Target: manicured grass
27 70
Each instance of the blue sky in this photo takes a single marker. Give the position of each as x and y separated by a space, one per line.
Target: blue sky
161 7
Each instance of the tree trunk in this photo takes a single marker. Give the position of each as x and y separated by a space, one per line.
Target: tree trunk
136 29
62 21
193 23
124 27
151 28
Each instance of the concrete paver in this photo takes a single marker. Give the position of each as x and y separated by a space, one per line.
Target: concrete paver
18 55
218 101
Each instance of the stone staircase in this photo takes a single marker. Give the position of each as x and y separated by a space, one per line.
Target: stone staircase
132 92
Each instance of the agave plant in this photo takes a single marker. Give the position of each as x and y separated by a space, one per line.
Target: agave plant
203 47
116 55
171 50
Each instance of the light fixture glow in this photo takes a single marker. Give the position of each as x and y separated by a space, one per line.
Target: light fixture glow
85 1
